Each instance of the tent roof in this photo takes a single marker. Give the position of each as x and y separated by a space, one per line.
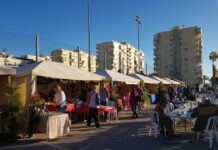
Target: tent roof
6 70
161 80
172 81
116 76
181 82
57 70
144 78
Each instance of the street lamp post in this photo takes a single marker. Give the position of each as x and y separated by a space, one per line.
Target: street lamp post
89 37
138 21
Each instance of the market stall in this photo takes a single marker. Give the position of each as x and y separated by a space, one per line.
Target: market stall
172 81
150 84
26 76
41 76
116 76
165 82
121 85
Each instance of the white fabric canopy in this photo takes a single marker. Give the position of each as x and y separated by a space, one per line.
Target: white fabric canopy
161 80
116 76
172 81
144 78
6 70
181 82
57 70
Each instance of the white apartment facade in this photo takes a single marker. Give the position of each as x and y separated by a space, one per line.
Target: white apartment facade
178 54
40 57
78 59
14 61
119 56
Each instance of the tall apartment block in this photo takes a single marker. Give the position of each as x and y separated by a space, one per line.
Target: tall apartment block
74 58
119 56
178 54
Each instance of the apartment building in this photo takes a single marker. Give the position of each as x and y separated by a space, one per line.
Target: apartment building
14 61
178 54
74 58
119 56
40 57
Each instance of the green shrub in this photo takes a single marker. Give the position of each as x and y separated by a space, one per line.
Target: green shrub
13 114
145 99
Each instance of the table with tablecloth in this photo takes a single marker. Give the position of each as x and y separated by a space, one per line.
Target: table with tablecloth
54 124
183 112
101 110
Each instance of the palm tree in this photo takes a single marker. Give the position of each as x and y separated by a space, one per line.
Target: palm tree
213 57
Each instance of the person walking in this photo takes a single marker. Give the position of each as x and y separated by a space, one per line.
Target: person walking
134 95
104 96
140 97
94 102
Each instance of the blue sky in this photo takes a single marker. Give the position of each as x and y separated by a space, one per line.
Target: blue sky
63 23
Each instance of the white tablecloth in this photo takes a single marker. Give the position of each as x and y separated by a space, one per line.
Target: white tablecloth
54 125
182 111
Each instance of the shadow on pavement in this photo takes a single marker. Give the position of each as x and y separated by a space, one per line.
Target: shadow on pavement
125 134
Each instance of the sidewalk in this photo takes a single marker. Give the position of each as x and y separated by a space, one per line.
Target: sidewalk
126 134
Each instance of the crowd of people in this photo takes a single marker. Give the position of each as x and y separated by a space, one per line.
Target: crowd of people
178 96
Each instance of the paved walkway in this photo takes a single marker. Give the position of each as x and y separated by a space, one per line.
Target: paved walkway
125 134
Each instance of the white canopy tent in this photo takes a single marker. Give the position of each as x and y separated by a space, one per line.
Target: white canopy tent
161 80
5 70
144 78
26 77
57 70
172 81
116 76
181 82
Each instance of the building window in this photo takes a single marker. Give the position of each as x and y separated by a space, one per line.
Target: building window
186 49
186 59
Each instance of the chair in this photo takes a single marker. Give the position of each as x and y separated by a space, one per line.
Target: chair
114 105
210 130
154 120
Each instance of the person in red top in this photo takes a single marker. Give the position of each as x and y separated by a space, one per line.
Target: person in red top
134 98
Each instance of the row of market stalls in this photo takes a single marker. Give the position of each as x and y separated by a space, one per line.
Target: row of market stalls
42 76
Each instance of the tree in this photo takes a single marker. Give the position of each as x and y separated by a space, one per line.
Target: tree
13 115
213 57
205 77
